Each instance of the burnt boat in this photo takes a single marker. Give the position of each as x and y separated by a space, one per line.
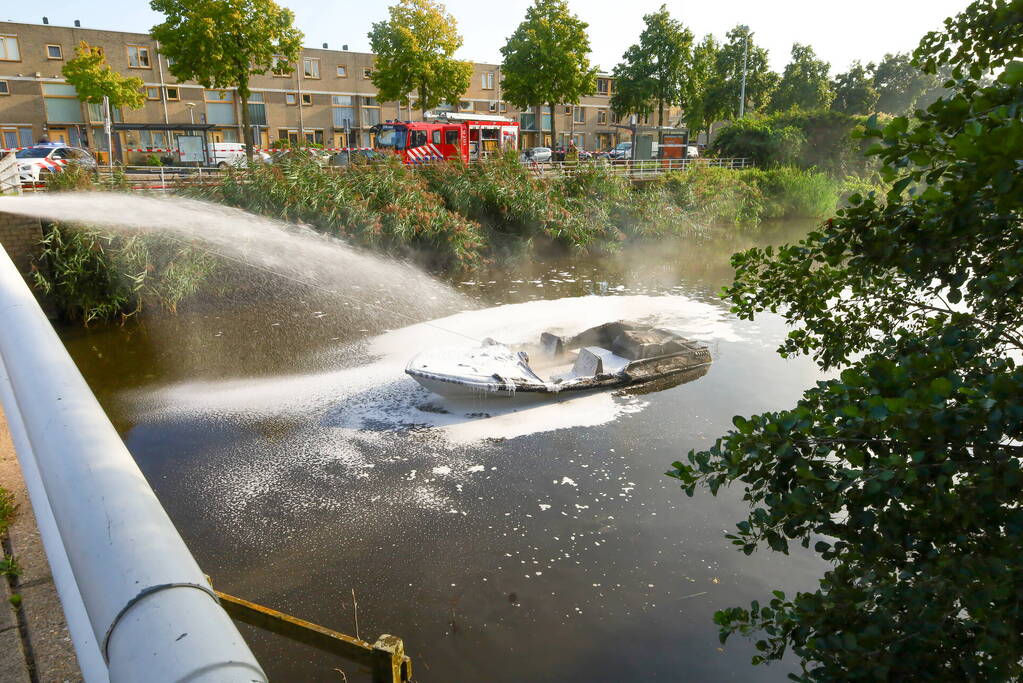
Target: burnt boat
610 355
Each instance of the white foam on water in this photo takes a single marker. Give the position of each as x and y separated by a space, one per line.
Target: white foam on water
378 396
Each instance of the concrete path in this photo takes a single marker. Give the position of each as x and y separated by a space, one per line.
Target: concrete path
34 640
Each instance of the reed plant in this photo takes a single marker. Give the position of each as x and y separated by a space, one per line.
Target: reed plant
90 274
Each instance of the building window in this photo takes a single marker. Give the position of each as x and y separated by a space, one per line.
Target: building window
307 99
280 67
504 106
311 67
487 79
172 94
568 109
15 136
152 93
5 88
257 109
604 86
138 57
291 98
343 111
342 71
492 107
220 107
602 116
579 115
96 113
370 111
9 51
54 52
367 72
61 103
464 106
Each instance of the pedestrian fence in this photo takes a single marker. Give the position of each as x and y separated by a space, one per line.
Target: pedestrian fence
171 178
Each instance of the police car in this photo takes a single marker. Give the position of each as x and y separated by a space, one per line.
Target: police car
36 164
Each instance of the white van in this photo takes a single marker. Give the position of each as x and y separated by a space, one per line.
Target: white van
224 154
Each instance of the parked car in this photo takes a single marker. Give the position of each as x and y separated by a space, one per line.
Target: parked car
36 163
623 150
224 154
355 156
540 155
318 155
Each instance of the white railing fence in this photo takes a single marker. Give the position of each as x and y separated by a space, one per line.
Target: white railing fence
9 180
137 605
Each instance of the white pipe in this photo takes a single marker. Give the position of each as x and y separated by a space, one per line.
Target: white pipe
152 613
90 660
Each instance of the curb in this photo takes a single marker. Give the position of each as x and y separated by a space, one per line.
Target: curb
34 641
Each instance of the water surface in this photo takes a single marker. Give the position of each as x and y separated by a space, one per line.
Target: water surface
539 545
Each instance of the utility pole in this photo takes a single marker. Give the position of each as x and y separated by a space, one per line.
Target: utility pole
742 92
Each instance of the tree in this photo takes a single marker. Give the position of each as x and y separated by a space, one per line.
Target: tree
698 113
760 80
93 79
222 43
414 53
804 83
899 84
904 470
854 91
654 71
545 59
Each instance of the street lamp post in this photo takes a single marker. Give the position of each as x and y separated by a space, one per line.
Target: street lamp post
191 109
742 92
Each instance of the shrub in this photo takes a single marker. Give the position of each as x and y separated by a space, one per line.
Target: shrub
72 178
92 275
766 144
387 206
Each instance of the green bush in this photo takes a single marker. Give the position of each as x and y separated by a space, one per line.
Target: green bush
93 275
766 144
824 140
386 206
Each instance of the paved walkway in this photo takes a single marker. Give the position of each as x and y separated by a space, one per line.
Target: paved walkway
34 640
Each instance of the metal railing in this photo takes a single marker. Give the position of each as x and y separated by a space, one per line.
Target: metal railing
10 181
137 605
170 178
636 169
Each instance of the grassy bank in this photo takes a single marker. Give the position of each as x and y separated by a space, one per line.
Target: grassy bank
461 215
449 217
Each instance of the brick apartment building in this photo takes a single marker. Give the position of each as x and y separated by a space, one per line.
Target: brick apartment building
328 98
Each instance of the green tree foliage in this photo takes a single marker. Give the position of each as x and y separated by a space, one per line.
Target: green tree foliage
222 43
93 79
854 91
545 59
723 96
415 51
825 140
804 83
653 72
904 471
899 84
766 144
698 114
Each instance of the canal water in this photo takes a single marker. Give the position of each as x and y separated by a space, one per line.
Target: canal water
502 540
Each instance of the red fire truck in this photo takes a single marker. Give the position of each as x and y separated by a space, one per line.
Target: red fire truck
452 135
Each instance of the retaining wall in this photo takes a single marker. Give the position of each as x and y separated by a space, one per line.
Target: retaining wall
20 236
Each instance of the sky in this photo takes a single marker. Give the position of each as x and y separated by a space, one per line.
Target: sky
840 32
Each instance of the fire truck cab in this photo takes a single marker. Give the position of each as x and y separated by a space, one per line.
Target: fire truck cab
451 135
